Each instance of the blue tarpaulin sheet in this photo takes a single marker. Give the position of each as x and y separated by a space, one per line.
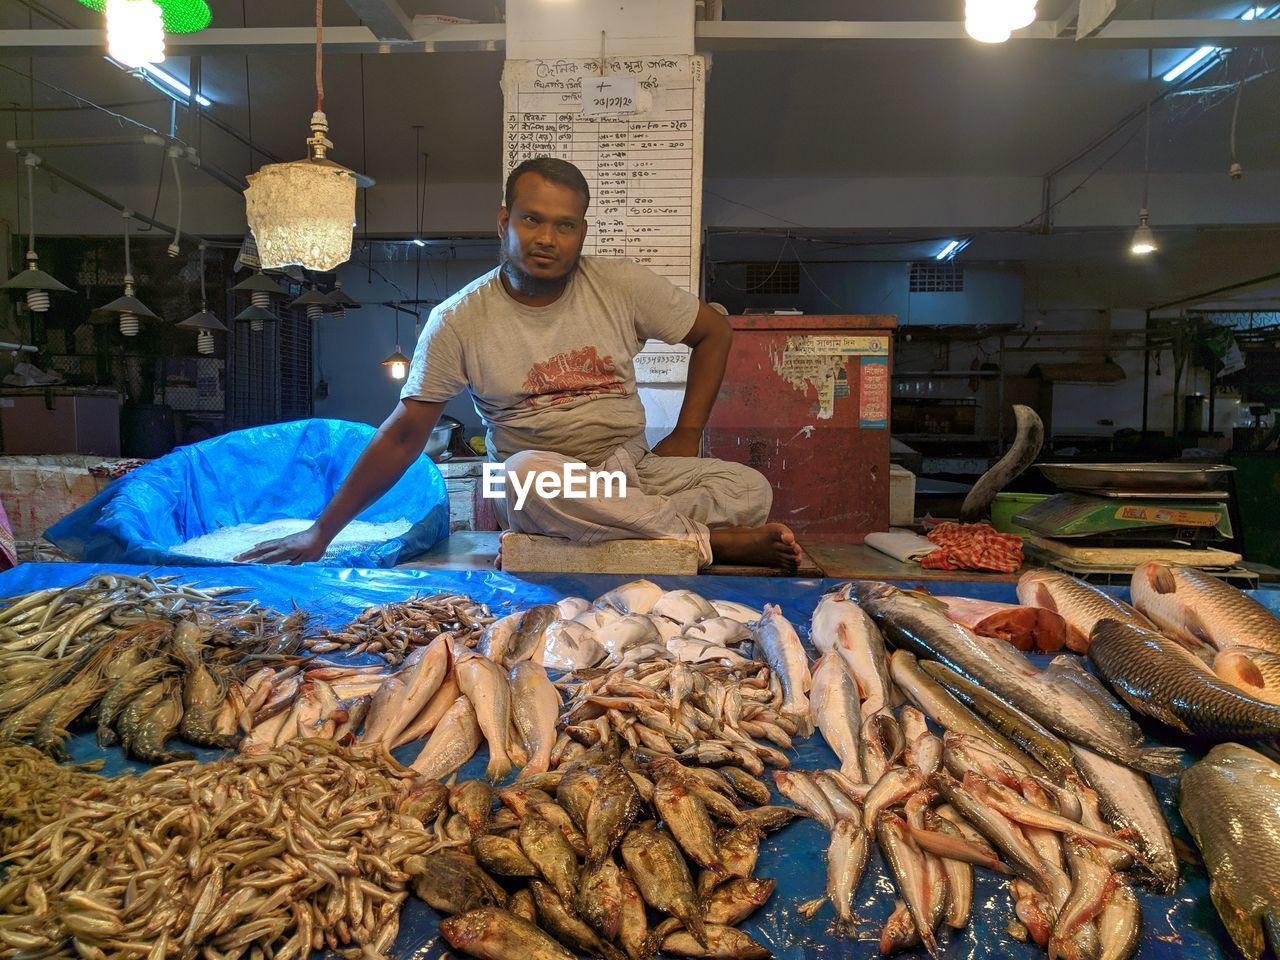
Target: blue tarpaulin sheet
280 471
1184 925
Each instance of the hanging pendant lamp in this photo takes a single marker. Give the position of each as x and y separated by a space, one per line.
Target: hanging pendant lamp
261 289
129 309
205 323
303 213
35 282
341 301
1144 240
314 302
397 364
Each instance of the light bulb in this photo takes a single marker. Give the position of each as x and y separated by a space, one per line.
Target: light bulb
38 301
987 31
1144 240
260 298
256 326
204 342
398 371
129 324
135 32
314 311
1020 14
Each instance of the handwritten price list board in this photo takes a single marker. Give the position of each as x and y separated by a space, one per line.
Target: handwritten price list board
644 168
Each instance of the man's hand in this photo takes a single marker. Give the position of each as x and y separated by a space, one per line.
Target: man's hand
296 548
681 442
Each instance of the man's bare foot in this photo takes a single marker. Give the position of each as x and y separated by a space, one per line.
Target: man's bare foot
770 545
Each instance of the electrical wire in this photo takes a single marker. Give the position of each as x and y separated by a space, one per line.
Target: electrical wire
1146 156
319 56
120 118
177 227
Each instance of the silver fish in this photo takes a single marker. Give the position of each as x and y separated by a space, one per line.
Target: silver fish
783 651
854 636
833 706
847 856
637 596
1127 802
1064 697
683 606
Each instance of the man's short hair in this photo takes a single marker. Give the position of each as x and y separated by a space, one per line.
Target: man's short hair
549 168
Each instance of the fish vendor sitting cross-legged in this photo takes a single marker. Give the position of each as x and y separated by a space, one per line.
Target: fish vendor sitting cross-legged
546 344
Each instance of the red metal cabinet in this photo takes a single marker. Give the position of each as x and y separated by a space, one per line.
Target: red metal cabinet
805 401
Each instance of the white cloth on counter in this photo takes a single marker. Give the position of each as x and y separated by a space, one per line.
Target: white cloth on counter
905 546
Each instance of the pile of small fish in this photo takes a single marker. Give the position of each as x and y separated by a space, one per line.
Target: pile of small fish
999 788
635 622
140 660
687 838
32 789
275 855
392 630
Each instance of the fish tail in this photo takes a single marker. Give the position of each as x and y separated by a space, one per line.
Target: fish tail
1271 924
1245 930
498 768
1158 761
697 928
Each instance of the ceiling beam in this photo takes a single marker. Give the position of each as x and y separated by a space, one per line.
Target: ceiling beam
385 18
765 35
1096 14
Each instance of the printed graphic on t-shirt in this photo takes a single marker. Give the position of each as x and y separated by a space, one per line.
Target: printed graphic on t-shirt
569 376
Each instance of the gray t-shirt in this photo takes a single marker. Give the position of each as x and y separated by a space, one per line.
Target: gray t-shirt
559 377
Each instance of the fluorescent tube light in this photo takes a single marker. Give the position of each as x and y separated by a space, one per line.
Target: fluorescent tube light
164 82
952 248
1253 13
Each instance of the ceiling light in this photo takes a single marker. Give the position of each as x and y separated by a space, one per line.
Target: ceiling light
1144 241
314 302
130 310
397 363
419 242
37 284
261 289
1202 54
302 213
993 21
180 16
164 82
951 249
1188 63
205 323
340 301
135 32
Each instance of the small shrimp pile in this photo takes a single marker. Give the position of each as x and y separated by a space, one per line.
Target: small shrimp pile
392 630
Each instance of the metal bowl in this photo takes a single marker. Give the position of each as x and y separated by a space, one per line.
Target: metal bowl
441 438
1146 477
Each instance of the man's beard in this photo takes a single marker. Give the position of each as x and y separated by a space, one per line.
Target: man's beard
529 285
